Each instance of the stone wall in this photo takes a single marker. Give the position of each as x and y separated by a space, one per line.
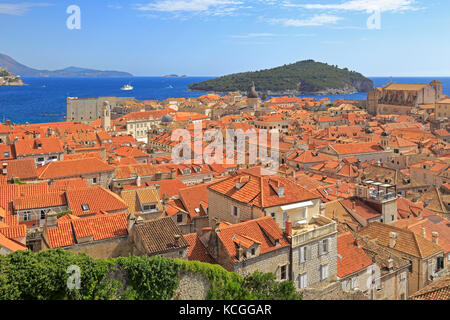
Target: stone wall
192 286
331 291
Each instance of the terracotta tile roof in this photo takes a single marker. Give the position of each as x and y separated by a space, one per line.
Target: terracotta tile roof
355 148
66 184
62 236
262 230
99 227
437 290
259 190
407 241
47 200
360 208
193 197
83 155
14 232
308 156
352 256
11 245
6 152
135 198
23 169
431 223
97 198
158 236
404 87
73 168
31 146
141 170
169 187
197 251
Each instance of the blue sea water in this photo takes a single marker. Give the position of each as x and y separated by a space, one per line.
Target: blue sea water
44 99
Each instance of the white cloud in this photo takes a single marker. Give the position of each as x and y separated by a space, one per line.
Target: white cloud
114 6
317 20
362 5
254 35
212 7
19 9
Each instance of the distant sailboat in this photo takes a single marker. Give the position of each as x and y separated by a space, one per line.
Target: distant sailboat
170 87
127 87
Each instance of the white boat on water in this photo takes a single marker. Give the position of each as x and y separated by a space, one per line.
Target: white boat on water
127 87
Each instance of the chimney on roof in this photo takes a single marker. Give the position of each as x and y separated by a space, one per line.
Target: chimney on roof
393 236
138 181
357 244
390 263
177 238
51 220
424 232
158 189
139 221
4 169
288 228
435 237
240 252
131 222
173 173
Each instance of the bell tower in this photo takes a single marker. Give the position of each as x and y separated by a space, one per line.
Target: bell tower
106 119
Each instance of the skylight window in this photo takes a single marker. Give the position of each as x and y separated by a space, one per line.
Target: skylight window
85 207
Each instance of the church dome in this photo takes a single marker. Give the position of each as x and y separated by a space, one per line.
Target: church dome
252 94
167 118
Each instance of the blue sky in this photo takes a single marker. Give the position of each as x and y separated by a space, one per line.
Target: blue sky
217 37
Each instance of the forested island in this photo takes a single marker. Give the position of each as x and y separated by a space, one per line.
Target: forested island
303 77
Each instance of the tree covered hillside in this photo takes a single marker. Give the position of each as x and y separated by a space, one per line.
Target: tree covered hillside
301 78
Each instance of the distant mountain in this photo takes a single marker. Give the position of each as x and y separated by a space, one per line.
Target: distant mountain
24 71
175 76
303 77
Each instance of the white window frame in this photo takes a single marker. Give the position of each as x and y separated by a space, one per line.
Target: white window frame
324 272
27 216
303 281
302 254
354 283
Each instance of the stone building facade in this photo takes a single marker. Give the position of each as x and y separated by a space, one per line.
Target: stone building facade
396 98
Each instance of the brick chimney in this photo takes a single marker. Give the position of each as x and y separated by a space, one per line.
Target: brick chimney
435 237
288 229
4 169
393 236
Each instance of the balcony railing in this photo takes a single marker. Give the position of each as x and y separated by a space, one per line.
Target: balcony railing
316 233
381 196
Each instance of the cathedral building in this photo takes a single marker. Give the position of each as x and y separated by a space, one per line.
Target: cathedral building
396 98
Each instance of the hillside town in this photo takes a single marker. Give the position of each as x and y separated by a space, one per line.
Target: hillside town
360 200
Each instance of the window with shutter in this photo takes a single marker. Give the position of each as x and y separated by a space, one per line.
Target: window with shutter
302 254
325 246
320 247
303 281
308 252
324 272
